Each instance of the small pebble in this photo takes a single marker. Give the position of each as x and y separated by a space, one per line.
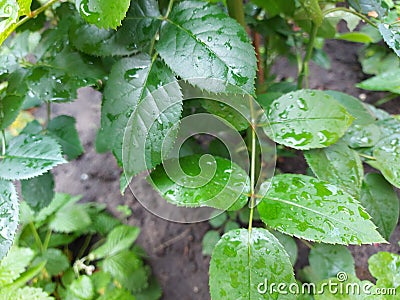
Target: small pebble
195 289
84 177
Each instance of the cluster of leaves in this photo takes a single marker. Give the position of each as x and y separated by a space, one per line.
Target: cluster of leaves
45 263
137 67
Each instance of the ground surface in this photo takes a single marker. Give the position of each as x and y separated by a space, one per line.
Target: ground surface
175 249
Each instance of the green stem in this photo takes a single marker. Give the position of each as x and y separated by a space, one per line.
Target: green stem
36 12
3 142
47 239
236 11
310 46
367 156
36 236
252 165
345 9
386 99
170 5
48 113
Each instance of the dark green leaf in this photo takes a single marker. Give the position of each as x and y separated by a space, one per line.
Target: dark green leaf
8 216
308 208
391 35
200 41
387 81
62 129
28 156
38 191
116 294
370 6
242 262
276 7
307 119
131 81
218 219
381 202
327 261
103 13
387 154
152 292
119 239
135 34
313 9
218 183
210 239
56 261
231 225
338 165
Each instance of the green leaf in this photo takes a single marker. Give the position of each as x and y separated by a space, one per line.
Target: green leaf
119 239
28 156
338 165
26 293
328 260
381 202
313 9
387 81
38 191
131 81
9 14
134 35
289 244
368 6
391 36
218 219
387 154
117 294
242 262
200 41
197 181
56 261
308 208
103 13
70 218
128 270
62 129
307 119
8 216
210 239
81 288
385 267
276 7
15 263
356 37
24 7
231 225
152 292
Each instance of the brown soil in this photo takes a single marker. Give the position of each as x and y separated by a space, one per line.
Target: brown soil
175 249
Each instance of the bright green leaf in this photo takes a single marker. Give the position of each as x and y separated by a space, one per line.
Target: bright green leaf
8 216
15 263
103 13
381 202
119 239
63 130
387 154
81 288
24 7
328 165
200 41
356 37
26 293
38 191
218 183
28 156
307 119
9 13
308 208
70 218
387 81
391 35
385 267
242 262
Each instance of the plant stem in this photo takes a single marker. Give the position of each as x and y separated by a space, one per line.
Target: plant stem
47 239
170 5
34 13
236 11
36 236
252 165
48 113
307 244
367 156
345 9
3 142
310 47
260 66
386 99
